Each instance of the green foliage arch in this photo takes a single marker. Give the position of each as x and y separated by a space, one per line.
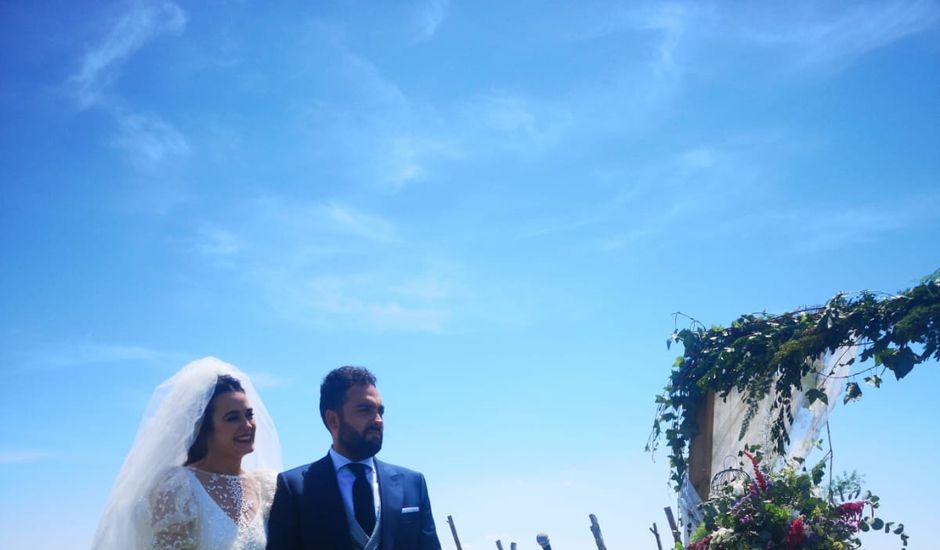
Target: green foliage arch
762 354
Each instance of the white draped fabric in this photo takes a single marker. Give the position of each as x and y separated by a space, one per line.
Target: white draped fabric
828 375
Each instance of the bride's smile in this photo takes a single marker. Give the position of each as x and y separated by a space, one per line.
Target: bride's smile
233 426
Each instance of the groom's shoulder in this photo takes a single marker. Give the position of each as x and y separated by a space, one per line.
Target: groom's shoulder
302 471
397 470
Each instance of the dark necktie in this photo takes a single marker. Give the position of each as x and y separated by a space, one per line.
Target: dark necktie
363 500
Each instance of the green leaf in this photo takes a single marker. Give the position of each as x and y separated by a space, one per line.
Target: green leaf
863 526
813 394
874 380
900 362
852 393
877 524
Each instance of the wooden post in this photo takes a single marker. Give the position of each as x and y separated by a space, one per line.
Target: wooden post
596 529
453 530
676 536
655 532
700 448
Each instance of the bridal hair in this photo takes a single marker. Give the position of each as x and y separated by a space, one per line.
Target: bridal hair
200 447
334 386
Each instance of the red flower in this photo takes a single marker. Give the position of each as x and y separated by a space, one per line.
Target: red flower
761 480
700 545
796 535
852 511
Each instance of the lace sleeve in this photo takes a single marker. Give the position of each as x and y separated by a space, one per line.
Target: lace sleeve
267 483
173 515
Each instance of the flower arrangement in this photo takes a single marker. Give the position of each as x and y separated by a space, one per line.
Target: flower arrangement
783 510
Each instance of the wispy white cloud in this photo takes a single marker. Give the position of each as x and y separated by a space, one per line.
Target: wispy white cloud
403 162
815 36
663 29
698 157
349 220
429 16
278 235
393 141
644 191
52 356
360 301
215 242
844 226
101 64
511 122
346 300
373 88
105 353
16 456
305 260
426 287
310 221
620 241
669 21
149 141
789 38
644 200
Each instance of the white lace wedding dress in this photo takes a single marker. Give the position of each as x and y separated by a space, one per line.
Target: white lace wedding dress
195 510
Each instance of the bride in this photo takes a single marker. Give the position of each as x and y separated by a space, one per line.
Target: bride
201 472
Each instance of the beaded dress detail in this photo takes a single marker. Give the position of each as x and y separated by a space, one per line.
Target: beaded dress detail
196 510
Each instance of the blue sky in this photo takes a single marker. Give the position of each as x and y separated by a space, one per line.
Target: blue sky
495 207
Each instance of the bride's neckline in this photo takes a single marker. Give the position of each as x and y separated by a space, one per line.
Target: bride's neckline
207 472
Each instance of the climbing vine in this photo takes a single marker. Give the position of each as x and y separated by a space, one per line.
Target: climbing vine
762 354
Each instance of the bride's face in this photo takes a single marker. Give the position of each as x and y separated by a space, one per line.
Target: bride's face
233 426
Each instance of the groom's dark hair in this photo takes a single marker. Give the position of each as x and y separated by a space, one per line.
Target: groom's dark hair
200 447
334 386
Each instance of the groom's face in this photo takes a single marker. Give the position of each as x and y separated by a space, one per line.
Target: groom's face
359 425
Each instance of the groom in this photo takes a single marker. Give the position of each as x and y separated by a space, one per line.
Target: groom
348 500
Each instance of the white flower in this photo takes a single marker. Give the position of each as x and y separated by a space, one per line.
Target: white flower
722 535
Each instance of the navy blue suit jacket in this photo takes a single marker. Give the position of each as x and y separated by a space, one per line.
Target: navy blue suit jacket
308 514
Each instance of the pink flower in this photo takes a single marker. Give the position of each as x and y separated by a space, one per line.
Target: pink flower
761 480
851 512
796 535
700 545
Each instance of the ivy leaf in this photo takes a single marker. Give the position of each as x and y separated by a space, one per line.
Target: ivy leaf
874 380
877 524
901 362
814 394
852 393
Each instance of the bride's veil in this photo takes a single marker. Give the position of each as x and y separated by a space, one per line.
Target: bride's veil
168 428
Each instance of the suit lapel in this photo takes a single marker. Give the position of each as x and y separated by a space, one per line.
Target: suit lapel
392 495
325 506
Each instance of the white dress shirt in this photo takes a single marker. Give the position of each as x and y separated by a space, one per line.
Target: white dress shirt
345 477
